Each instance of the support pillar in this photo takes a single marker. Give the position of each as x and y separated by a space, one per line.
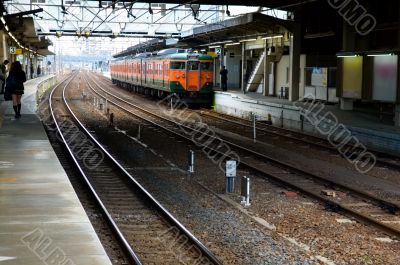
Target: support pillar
3 46
348 44
221 63
244 66
294 64
266 70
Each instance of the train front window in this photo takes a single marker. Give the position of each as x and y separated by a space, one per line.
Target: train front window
206 66
177 65
193 66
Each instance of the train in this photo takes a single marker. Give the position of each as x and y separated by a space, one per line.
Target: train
185 74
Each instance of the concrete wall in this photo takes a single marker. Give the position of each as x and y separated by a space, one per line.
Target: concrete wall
288 116
281 74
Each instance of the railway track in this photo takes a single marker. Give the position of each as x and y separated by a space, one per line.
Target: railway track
384 159
146 231
356 203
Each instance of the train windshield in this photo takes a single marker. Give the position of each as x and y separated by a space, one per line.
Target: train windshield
206 66
193 65
177 65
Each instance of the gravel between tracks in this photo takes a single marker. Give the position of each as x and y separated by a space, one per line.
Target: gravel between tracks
297 217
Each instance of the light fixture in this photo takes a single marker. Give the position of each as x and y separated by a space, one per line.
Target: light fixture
347 56
231 44
6 27
213 47
380 54
273 37
228 13
2 20
248 40
59 33
64 11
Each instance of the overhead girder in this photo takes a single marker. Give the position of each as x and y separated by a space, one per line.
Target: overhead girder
280 4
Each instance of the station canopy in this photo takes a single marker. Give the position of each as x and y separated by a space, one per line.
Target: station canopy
138 20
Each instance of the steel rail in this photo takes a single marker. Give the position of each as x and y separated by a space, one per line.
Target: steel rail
338 206
118 234
154 201
368 196
319 141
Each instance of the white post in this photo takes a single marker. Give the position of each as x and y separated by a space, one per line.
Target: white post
254 127
191 161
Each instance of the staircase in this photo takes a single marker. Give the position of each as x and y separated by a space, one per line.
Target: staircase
257 75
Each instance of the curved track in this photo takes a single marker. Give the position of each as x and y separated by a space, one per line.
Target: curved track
359 204
147 232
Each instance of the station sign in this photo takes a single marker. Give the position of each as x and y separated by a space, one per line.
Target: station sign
20 57
18 51
13 50
212 54
218 51
230 168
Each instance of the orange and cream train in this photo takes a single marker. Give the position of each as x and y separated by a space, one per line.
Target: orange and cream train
171 71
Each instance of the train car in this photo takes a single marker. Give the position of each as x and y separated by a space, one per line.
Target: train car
188 75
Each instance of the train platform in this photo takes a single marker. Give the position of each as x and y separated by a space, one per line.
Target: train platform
41 220
366 127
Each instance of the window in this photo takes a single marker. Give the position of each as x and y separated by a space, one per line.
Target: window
177 65
193 66
206 66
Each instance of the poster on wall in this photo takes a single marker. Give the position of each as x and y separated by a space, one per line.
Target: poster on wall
352 77
319 77
385 78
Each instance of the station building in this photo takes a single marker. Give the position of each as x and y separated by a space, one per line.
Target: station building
340 53
20 41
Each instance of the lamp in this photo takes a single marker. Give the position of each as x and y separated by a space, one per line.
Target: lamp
228 13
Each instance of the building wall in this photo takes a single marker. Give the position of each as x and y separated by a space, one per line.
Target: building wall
232 63
282 74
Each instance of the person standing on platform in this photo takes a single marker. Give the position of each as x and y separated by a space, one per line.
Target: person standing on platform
224 78
32 71
39 71
3 75
15 84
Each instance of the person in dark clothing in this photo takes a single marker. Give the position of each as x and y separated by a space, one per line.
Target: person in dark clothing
39 71
32 71
3 75
224 78
15 83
